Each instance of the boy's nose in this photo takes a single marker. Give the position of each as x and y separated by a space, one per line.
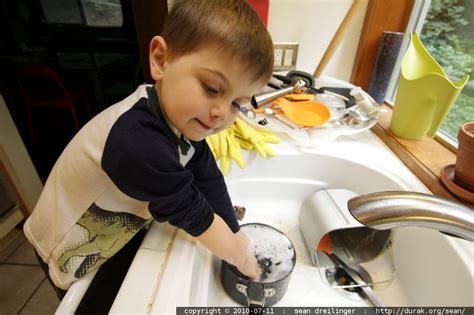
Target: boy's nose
219 110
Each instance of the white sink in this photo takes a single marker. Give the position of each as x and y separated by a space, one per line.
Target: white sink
171 269
431 268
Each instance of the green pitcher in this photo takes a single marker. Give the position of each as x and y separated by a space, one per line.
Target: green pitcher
425 94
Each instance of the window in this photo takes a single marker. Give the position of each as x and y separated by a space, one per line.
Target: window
102 12
95 13
448 36
446 29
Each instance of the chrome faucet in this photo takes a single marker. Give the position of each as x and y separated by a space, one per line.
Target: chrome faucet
392 209
297 86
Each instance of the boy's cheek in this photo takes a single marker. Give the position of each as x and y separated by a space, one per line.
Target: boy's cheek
228 123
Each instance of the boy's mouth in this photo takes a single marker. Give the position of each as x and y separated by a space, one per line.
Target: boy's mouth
205 126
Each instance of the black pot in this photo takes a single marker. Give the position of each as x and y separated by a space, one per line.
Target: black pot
251 293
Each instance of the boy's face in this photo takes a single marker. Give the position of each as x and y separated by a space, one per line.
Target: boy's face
200 91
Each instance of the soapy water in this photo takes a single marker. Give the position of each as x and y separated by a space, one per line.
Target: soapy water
273 250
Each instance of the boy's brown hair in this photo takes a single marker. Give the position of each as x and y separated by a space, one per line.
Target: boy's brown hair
232 24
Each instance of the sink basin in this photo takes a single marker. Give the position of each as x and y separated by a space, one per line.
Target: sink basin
432 269
171 269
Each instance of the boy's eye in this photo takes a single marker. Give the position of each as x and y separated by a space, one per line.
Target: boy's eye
210 89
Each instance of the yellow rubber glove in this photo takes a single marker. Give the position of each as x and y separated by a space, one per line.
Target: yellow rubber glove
226 145
257 138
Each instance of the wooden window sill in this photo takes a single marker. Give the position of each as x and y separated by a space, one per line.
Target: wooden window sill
424 158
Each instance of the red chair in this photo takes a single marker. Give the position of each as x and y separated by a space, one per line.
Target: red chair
41 88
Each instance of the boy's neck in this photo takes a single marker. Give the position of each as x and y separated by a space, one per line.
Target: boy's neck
155 104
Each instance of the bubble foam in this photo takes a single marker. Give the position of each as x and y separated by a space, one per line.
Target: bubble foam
272 249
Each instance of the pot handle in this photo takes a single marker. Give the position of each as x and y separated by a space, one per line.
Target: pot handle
268 292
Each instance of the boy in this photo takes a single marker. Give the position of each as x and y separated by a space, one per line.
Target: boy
144 158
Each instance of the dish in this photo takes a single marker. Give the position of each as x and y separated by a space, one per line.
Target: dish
447 177
305 113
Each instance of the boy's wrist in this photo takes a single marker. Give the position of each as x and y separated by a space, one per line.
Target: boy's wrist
242 261
241 258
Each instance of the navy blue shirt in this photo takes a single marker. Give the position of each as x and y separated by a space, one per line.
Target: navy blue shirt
142 157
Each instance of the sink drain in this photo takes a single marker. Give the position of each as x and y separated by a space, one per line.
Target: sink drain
342 282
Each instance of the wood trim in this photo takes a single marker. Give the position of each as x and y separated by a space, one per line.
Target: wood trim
424 157
381 15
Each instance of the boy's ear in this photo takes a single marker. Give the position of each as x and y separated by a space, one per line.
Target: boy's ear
158 53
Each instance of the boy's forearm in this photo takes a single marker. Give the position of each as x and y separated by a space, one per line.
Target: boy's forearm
222 242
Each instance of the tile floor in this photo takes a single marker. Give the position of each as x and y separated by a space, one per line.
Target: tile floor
24 288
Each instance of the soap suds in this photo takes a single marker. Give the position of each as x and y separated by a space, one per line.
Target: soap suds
273 250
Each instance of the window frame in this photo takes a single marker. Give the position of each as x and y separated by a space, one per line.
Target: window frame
375 23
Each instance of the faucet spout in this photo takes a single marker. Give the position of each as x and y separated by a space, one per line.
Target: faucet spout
392 209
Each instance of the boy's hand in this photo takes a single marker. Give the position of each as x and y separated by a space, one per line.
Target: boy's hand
250 267
233 248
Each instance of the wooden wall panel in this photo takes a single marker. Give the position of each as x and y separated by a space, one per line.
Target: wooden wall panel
382 15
